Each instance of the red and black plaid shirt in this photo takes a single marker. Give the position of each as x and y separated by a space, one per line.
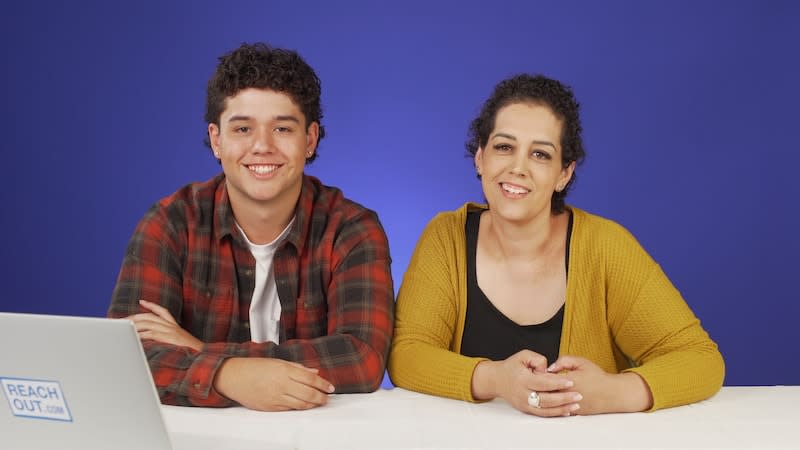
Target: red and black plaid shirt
332 274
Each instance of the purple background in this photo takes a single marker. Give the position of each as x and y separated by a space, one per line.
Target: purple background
689 107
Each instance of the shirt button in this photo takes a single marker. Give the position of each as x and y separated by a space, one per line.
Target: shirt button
247 325
248 272
197 386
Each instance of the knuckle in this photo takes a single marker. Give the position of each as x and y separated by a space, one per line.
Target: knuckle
555 412
540 412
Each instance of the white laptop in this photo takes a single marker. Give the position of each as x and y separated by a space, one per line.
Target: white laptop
76 382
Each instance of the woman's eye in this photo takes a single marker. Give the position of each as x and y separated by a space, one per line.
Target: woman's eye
502 147
538 154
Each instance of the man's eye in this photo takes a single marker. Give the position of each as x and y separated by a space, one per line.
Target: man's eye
283 129
242 129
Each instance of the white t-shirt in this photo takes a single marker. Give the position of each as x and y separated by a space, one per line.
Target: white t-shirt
265 306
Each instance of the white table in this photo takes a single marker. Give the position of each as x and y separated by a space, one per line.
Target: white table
737 417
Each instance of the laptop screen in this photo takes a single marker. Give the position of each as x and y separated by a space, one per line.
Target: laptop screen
76 382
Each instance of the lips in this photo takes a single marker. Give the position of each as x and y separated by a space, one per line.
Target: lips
263 169
514 189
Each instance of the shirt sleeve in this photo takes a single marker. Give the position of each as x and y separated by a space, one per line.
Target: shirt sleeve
422 358
360 317
656 329
151 270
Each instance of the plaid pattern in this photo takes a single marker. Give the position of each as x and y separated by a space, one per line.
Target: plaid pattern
332 274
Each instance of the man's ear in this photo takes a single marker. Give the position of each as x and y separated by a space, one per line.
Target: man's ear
312 139
213 138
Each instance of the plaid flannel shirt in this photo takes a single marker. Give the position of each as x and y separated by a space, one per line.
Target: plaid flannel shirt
332 274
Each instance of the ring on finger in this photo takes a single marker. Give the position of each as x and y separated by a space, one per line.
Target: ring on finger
534 399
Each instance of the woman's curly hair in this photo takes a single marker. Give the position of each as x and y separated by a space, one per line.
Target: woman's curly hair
263 67
536 89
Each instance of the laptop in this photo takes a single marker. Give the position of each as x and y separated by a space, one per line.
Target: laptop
76 382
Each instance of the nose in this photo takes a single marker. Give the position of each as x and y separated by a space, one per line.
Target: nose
263 141
519 165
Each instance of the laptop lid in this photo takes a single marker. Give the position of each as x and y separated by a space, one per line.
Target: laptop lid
76 382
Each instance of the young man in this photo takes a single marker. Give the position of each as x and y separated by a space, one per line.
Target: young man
260 287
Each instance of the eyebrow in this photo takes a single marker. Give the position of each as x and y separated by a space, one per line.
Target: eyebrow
285 118
278 118
513 138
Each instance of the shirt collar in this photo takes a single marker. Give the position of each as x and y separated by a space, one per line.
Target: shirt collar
225 223
298 234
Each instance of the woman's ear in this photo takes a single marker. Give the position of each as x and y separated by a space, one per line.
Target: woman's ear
479 160
566 175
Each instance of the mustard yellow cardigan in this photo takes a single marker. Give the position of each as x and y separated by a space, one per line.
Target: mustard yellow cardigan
621 312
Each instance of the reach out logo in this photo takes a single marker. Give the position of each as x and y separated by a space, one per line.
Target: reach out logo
36 399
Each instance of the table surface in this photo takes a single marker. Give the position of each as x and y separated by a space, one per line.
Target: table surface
737 417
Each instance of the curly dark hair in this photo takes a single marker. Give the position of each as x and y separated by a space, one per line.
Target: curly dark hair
536 89
260 66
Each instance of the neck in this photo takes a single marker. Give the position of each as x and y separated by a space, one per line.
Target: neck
263 222
523 241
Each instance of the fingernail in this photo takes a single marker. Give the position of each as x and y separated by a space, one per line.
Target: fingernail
575 407
577 398
331 389
569 383
566 414
552 367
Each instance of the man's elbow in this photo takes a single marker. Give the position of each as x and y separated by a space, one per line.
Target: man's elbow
365 377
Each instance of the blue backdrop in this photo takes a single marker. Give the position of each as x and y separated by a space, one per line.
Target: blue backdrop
689 107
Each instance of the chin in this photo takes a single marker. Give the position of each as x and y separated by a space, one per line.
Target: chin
264 195
512 213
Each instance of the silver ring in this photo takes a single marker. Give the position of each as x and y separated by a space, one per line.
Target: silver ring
533 399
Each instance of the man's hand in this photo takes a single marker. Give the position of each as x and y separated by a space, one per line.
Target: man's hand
514 378
159 325
267 384
604 392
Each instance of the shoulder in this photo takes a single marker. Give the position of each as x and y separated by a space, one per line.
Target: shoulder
601 230
329 216
196 195
445 232
329 202
449 222
598 237
595 224
189 206
328 205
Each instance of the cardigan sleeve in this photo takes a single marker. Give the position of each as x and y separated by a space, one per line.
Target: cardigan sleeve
655 328
422 357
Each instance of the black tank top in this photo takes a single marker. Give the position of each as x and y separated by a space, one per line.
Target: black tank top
488 333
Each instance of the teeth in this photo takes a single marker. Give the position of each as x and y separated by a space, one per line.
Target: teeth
513 190
261 170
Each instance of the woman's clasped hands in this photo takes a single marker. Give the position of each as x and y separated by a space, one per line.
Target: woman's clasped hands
519 375
570 386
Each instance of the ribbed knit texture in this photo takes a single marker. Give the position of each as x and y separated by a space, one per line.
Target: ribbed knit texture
621 312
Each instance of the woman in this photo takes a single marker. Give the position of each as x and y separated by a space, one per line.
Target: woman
556 310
